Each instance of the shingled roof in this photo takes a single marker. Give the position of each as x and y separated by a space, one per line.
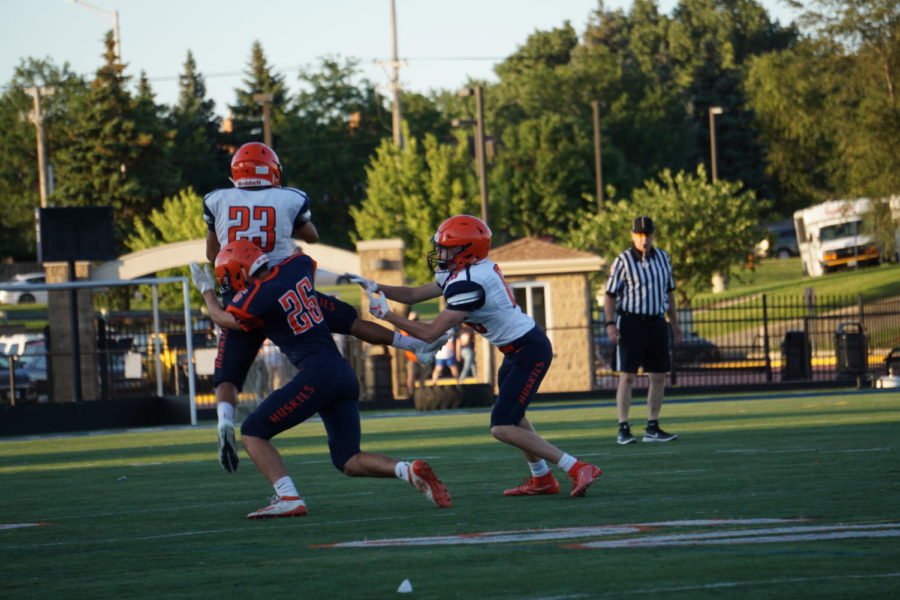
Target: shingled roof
533 256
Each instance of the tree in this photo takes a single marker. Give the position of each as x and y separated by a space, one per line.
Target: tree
198 154
332 129
539 178
247 113
109 148
412 190
705 228
175 221
18 147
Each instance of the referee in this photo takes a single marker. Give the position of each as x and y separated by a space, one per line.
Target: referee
639 293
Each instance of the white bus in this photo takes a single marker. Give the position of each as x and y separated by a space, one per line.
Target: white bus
830 235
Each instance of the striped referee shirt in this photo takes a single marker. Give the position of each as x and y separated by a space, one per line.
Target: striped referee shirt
641 283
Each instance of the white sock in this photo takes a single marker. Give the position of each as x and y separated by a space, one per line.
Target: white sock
285 487
539 468
225 411
405 342
567 462
401 470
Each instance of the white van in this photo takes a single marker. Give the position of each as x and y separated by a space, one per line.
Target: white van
830 236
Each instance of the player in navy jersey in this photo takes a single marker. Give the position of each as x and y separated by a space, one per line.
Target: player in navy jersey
279 303
477 295
258 209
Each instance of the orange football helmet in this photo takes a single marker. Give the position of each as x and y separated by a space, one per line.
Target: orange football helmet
237 261
255 165
460 241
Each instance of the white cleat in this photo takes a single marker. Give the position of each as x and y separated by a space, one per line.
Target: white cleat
228 451
281 506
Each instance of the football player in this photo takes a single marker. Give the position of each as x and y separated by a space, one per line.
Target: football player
258 209
477 294
279 303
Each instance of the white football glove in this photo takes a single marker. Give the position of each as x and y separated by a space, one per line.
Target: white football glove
426 353
370 286
202 278
378 305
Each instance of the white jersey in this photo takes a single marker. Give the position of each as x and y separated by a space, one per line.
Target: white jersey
482 292
265 216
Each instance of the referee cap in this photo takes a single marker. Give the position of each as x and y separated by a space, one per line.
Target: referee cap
642 225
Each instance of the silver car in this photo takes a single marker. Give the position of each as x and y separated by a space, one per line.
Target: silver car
20 292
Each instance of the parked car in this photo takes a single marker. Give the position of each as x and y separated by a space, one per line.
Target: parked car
21 292
25 389
780 241
692 349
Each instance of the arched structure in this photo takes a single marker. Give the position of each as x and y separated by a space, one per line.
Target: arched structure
180 254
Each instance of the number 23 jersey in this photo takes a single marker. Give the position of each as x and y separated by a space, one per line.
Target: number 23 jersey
483 293
266 216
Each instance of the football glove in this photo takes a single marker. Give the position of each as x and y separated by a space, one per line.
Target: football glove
202 278
378 305
370 286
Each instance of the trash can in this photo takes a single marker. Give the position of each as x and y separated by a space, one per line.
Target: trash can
796 356
851 351
378 378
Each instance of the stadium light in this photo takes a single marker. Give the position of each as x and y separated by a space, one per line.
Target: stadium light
110 13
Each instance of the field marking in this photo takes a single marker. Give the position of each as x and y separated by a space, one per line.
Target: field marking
538 535
638 535
5 526
752 536
749 582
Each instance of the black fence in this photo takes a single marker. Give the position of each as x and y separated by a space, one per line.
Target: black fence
763 339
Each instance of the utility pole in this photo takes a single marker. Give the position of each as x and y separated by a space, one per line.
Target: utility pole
395 80
37 117
480 154
598 169
266 101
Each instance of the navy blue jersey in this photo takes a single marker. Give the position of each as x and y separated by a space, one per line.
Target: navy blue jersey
283 306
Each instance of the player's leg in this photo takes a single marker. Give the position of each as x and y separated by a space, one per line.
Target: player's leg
657 362
522 373
237 351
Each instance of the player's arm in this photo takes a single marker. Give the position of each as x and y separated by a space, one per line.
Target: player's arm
410 295
428 330
307 232
219 315
212 246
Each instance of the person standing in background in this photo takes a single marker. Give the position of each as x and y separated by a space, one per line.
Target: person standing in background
639 294
465 352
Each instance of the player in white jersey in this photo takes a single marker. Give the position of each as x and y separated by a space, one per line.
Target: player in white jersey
477 294
258 209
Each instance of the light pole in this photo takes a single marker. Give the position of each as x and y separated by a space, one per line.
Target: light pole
115 17
598 169
37 117
480 159
713 111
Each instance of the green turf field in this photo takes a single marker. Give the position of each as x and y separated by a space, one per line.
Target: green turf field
795 495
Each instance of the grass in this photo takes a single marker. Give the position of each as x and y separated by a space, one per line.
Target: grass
149 513
784 277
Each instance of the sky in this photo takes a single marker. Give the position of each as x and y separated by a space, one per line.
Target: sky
443 43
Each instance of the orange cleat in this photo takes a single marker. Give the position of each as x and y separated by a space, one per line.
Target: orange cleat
421 476
583 475
535 486
281 506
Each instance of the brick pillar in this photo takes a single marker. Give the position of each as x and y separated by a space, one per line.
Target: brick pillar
382 261
59 321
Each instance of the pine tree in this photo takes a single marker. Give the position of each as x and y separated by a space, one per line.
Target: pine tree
247 113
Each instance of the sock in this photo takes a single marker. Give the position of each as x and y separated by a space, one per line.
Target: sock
623 425
405 342
539 468
567 462
285 487
225 411
653 425
401 470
